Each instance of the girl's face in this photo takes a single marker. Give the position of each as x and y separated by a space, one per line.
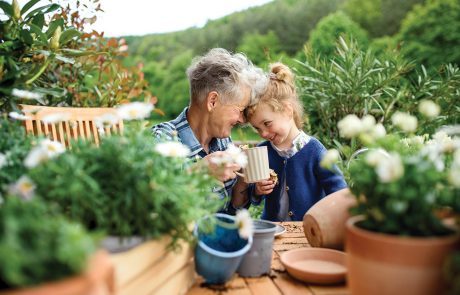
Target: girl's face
277 127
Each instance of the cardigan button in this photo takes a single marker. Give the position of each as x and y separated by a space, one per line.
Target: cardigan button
284 161
290 213
287 188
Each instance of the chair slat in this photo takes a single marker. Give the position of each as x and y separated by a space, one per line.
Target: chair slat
80 124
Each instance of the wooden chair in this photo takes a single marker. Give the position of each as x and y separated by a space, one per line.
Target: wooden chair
80 123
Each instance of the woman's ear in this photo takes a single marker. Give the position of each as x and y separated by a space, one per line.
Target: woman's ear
211 100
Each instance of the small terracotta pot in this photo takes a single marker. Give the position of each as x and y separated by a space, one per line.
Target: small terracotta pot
98 279
324 223
382 264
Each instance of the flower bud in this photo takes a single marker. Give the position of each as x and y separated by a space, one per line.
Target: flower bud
16 10
54 42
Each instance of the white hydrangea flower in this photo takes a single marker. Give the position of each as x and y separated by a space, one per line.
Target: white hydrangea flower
172 149
3 160
404 121
391 169
445 143
331 157
429 109
374 157
236 155
18 116
26 94
350 126
378 131
56 118
134 110
45 150
368 123
244 222
23 187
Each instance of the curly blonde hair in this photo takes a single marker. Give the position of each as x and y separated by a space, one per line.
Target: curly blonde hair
280 91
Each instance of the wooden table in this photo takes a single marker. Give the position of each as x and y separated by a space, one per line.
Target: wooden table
279 281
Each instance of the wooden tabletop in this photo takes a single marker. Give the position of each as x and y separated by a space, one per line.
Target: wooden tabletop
279 281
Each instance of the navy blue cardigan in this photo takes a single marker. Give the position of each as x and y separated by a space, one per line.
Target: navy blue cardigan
306 181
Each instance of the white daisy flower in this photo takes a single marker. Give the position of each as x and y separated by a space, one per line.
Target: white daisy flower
368 123
429 109
106 121
44 151
391 169
23 188
243 221
134 110
237 156
350 126
404 121
172 149
26 94
18 116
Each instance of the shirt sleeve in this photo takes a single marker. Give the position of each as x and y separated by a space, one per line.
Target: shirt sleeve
331 180
163 131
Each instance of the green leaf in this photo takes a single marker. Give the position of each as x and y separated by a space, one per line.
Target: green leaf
26 37
7 8
45 9
28 6
68 34
38 33
53 26
39 20
65 59
75 52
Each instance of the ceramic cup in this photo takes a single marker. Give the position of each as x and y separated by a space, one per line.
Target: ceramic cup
257 168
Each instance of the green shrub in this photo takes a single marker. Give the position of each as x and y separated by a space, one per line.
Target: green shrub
38 246
125 187
324 36
14 147
356 82
430 34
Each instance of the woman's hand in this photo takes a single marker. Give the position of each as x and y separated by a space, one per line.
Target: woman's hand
264 187
221 171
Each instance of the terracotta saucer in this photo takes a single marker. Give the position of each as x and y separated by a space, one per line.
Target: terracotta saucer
279 230
315 265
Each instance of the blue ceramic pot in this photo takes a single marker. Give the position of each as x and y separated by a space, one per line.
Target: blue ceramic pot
218 254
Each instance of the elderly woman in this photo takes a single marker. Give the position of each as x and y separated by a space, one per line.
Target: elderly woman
222 85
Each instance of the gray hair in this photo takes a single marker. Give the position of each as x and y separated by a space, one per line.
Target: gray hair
220 70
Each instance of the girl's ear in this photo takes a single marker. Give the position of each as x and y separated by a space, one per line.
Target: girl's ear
288 109
211 100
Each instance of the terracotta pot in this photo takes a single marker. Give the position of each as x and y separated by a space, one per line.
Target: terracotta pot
324 223
382 264
97 280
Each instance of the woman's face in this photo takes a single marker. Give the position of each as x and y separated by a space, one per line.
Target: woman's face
226 115
276 127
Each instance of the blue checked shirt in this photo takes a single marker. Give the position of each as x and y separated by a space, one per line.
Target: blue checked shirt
185 135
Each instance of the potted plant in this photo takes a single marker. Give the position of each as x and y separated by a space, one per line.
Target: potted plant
398 240
223 240
43 253
129 187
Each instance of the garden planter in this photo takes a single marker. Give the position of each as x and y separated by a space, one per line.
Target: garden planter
98 279
258 260
219 253
151 268
382 264
116 244
324 222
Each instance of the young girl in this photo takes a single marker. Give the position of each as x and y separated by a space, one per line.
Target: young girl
294 155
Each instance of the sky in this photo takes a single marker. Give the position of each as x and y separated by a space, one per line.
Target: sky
140 17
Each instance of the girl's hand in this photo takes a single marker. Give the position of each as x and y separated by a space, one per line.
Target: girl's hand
264 187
